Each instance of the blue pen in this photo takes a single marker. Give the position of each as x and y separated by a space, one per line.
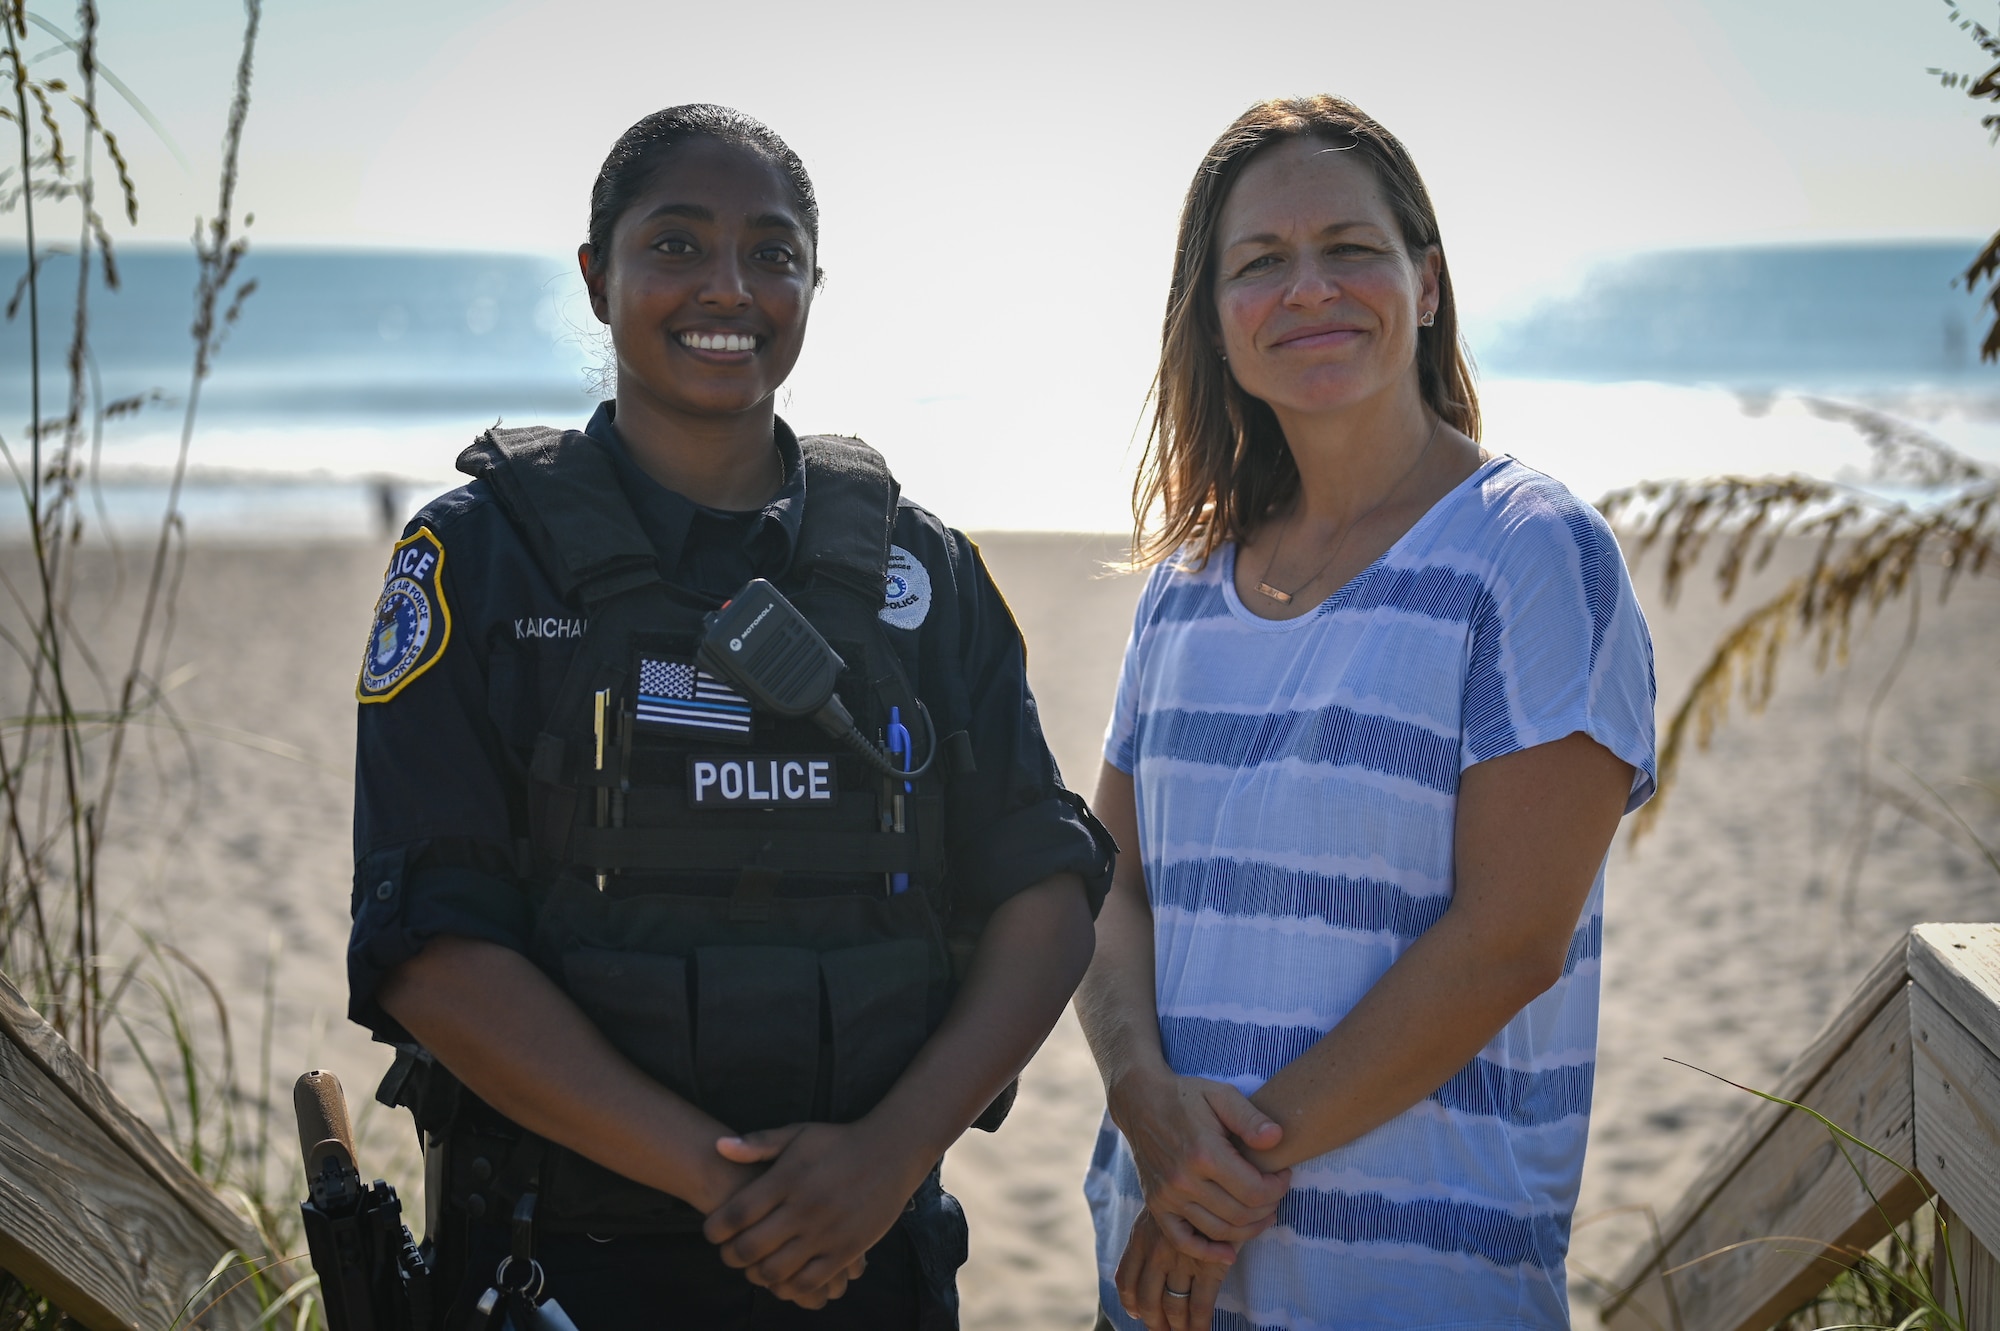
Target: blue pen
899 743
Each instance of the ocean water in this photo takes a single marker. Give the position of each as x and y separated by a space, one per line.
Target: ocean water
1697 362
349 375
327 335
353 378
1882 318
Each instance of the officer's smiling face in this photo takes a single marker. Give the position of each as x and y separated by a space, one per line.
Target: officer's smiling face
708 283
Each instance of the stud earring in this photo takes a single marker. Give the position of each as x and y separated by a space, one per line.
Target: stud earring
1428 319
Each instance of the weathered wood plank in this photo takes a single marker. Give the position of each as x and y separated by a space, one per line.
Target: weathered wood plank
1772 1231
1957 1086
1969 1282
1959 966
95 1212
49 1051
1639 1278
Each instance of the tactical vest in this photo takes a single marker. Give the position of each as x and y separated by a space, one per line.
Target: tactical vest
749 914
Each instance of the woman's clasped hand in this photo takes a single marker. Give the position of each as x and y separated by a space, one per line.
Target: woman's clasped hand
1161 1285
1203 1197
1188 1135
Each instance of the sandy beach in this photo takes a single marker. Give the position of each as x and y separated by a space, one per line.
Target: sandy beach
1769 885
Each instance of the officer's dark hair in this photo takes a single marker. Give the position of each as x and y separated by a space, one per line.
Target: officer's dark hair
628 168
1217 465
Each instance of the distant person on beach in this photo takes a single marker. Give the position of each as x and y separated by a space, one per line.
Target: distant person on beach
1385 701
388 503
701 983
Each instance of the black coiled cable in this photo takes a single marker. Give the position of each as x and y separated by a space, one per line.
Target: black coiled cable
835 720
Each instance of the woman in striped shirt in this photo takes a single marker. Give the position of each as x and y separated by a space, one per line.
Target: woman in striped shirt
1386 699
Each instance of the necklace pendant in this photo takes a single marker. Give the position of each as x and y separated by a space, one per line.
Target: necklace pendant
1282 598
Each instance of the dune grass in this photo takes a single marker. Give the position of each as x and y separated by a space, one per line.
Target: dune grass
1869 551
77 695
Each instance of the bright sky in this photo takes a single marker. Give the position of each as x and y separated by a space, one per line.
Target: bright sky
1000 183
1056 138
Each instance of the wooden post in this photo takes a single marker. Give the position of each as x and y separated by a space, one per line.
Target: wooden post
1910 1066
96 1213
1770 1221
1964 1275
1955 1030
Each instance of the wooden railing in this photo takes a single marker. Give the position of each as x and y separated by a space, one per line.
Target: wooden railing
96 1213
1912 1067
100 1216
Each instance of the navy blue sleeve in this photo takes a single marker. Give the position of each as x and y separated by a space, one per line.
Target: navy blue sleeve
435 816
1010 823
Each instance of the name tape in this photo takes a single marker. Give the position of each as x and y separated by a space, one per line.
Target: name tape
760 782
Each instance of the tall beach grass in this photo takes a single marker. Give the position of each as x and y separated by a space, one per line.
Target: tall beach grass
76 692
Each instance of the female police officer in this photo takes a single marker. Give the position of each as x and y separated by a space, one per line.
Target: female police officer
714 992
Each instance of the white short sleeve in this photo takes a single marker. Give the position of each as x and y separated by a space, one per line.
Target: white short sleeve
1558 643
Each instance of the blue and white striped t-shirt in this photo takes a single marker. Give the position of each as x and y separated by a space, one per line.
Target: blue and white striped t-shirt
1297 782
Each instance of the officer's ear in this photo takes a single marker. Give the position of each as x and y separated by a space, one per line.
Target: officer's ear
593 280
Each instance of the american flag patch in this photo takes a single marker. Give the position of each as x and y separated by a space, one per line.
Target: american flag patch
675 695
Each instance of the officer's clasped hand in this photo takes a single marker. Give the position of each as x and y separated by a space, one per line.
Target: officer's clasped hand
823 1203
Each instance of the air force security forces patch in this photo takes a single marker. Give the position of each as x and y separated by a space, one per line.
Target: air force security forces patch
412 622
906 593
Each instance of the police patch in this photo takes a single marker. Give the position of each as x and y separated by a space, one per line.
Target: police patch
412 622
906 591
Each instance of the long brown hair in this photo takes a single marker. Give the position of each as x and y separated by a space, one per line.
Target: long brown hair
1216 463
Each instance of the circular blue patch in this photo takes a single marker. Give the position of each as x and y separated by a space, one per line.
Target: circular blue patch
402 631
906 590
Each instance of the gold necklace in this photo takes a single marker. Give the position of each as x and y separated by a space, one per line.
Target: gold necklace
1284 597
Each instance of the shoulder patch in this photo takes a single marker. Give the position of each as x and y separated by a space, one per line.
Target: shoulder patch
906 593
412 621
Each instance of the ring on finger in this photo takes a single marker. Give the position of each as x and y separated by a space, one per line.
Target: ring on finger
1177 1293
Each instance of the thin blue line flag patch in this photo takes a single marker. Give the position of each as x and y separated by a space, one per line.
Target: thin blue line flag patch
412 621
681 698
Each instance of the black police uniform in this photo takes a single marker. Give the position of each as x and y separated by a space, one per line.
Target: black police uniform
502 795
